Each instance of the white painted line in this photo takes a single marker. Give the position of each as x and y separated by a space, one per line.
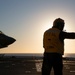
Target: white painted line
72 71
38 66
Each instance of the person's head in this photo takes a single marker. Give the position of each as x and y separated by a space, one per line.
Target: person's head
58 23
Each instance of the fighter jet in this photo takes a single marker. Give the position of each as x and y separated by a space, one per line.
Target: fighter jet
5 40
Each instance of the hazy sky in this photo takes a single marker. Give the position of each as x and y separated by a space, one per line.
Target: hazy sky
26 21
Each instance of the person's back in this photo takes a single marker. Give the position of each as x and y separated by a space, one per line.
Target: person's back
53 43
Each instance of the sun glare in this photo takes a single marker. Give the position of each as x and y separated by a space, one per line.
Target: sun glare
47 25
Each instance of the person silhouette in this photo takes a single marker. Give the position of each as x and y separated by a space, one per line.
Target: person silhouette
53 44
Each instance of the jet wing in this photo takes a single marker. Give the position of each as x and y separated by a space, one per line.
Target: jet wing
5 40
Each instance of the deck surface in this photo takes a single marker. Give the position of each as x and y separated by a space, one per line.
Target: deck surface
30 66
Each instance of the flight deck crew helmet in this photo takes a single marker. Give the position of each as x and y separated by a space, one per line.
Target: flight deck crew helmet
58 23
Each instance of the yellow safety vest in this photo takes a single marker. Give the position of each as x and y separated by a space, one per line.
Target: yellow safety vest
51 41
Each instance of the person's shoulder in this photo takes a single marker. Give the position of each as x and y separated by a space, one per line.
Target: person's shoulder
47 30
63 32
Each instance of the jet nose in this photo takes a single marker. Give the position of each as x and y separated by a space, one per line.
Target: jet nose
11 40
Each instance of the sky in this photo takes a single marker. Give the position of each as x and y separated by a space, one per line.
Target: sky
27 20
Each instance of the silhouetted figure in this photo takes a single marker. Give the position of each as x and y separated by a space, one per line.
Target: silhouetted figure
53 43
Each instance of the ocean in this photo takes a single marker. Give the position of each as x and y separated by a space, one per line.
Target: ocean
69 55
34 54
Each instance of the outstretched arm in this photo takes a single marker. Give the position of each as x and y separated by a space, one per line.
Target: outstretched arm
67 35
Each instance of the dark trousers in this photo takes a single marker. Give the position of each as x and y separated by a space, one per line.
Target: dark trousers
52 60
